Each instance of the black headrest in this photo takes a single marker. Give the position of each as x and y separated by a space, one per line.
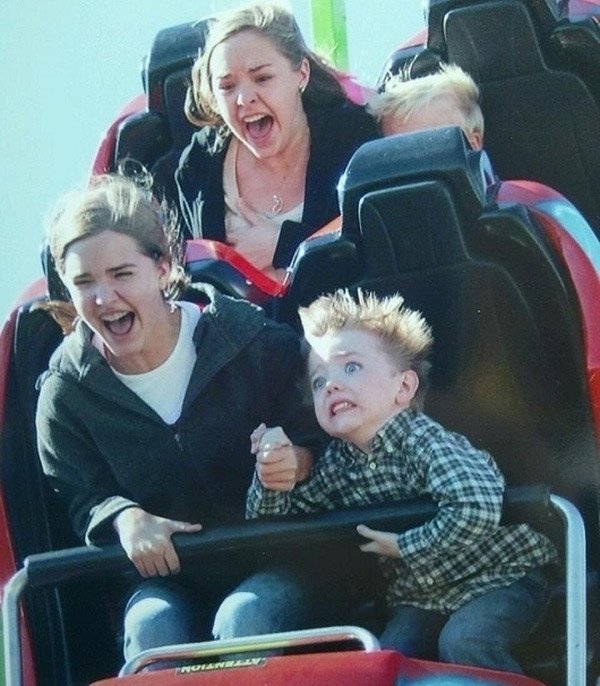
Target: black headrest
443 154
542 120
412 62
173 48
143 137
157 136
174 90
544 14
167 76
493 41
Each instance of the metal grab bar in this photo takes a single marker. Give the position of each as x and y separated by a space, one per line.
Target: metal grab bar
246 644
575 590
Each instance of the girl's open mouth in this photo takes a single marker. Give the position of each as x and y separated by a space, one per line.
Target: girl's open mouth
119 324
259 126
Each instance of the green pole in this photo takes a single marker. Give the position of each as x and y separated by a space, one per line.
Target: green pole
329 30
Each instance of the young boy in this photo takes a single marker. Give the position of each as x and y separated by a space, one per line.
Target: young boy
461 587
448 97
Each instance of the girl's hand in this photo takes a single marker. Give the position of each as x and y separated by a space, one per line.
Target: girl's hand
380 542
279 464
256 437
146 539
276 463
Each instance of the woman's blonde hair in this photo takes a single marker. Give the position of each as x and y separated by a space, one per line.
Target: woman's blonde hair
405 335
401 97
276 24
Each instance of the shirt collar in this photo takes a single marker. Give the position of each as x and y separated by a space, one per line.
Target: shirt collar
391 435
387 440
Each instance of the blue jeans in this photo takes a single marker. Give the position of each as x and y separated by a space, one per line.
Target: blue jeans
481 633
166 611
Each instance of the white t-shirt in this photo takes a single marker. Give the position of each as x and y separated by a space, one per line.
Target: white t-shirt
164 388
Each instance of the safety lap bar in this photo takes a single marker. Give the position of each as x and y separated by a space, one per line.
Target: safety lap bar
45 569
521 504
246 644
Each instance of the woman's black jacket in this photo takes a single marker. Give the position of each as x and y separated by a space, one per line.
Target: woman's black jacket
336 132
104 449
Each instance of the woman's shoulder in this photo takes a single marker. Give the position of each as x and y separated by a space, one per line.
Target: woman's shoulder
73 358
204 143
64 367
231 321
199 159
337 131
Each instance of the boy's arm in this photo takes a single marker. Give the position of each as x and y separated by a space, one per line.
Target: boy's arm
469 490
263 502
311 496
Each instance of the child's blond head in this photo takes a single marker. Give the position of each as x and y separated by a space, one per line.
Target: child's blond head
405 335
450 88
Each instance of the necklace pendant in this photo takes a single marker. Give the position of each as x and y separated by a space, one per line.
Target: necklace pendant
277 205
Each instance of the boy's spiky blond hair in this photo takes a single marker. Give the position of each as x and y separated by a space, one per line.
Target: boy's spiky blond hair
401 97
405 335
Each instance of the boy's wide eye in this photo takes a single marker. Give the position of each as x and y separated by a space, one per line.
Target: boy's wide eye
352 367
317 383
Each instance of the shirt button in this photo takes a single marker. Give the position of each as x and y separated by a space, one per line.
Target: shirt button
373 465
429 580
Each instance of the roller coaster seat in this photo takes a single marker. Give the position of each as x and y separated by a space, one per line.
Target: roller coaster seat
538 74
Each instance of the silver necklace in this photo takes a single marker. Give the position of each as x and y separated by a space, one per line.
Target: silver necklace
277 205
276 200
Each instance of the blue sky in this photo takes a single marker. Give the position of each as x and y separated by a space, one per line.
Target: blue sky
68 66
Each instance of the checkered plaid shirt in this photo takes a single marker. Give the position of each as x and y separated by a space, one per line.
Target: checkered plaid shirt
463 551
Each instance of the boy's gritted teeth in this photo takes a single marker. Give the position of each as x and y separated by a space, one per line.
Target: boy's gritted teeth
340 407
118 323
